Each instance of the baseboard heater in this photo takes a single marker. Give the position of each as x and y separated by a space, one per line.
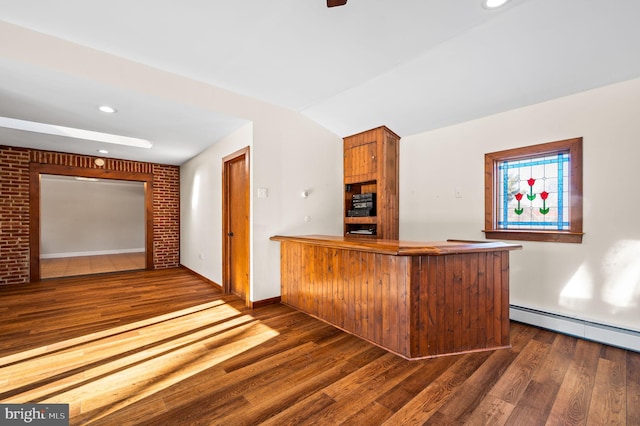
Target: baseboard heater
614 336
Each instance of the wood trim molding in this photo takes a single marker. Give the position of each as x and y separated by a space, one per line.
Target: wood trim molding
202 277
527 235
37 169
265 302
253 305
34 224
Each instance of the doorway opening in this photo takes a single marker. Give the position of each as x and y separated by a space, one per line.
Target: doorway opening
49 244
90 226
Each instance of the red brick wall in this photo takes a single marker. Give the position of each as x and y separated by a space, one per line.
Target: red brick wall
14 216
166 216
14 206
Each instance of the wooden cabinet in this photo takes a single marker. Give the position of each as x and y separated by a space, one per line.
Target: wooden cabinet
371 167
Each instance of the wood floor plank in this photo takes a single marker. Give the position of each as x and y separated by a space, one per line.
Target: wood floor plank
406 390
608 401
284 387
633 388
517 377
476 388
372 413
168 348
438 392
536 401
183 398
293 383
484 380
356 395
571 405
301 414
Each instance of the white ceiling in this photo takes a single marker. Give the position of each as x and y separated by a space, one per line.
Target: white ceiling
413 65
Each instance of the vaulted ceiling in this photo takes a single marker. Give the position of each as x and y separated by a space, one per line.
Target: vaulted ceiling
413 65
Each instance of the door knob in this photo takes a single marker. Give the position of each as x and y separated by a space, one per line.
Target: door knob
230 234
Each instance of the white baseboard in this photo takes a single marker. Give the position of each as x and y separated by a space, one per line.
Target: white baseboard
90 253
614 336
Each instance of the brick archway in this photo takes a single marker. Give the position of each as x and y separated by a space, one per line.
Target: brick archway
18 206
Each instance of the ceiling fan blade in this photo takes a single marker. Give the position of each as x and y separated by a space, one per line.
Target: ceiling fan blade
332 3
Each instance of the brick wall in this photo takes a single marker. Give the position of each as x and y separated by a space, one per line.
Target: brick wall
14 206
166 216
14 216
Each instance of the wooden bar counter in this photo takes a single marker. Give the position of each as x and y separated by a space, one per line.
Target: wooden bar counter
417 300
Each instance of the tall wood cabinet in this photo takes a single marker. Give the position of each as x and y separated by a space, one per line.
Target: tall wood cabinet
371 167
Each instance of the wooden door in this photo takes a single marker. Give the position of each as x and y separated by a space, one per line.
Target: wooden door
236 227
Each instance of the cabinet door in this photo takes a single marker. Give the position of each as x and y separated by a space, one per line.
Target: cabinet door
360 160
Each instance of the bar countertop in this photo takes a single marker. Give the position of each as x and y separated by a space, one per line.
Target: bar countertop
398 247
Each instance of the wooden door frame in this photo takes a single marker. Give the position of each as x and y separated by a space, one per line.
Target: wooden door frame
226 214
35 170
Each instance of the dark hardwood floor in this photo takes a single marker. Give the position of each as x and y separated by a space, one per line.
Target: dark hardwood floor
166 348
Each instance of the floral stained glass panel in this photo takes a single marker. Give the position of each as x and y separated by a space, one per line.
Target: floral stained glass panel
534 193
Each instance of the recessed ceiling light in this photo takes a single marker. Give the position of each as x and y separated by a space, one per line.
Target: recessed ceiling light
103 151
107 109
69 132
493 4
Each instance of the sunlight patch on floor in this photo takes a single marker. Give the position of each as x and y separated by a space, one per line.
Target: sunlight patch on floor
100 377
44 350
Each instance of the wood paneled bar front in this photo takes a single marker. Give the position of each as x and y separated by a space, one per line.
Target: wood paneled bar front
417 300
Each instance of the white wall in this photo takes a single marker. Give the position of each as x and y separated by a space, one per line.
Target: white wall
80 218
201 205
288 154
598 280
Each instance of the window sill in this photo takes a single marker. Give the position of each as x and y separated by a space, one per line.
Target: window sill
525 235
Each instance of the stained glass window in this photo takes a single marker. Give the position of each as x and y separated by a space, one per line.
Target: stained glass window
535 192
